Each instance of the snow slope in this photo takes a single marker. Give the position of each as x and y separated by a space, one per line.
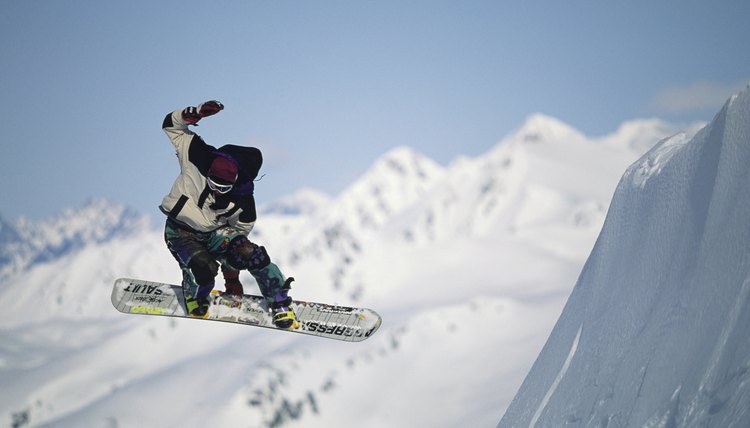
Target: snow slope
654 333
470 264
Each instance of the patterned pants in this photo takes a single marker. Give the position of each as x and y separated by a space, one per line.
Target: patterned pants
199 255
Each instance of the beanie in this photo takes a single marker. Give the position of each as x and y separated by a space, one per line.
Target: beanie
224 169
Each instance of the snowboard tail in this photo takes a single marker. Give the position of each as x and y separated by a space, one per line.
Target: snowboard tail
350 324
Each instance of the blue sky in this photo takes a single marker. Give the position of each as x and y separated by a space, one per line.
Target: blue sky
325 87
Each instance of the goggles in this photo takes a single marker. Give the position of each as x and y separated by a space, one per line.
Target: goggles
218 187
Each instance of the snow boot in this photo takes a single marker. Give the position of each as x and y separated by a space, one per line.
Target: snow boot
234 289
275 289
281 310
197 308
283 316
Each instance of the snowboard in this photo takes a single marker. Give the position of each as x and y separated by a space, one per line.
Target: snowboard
349 324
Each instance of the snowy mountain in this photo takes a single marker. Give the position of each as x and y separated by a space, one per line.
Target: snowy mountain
396 181
25 243
470 265
518 186
654 333
341 234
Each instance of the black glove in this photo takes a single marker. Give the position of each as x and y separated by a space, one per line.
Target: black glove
192 115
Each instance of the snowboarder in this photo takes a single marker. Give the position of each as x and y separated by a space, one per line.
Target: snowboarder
210 211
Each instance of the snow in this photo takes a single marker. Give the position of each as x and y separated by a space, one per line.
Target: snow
654 333
469 264
25 243
563 371
306 201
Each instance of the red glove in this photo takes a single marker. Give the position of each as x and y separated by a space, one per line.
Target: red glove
193 114
210 108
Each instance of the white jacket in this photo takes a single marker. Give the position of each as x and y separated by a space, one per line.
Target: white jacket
190 202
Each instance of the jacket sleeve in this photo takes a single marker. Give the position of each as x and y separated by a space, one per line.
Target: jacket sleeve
177 130
245 221
190 146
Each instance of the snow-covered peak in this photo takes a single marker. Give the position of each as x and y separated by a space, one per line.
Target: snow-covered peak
395 181
406 163
27 242
542 128
97 220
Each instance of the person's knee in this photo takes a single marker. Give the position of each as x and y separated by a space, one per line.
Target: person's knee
204 268
243 254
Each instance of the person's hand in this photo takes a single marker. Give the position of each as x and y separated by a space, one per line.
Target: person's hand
210 108
192 115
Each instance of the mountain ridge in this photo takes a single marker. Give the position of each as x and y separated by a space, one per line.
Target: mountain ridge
654 331
24 243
